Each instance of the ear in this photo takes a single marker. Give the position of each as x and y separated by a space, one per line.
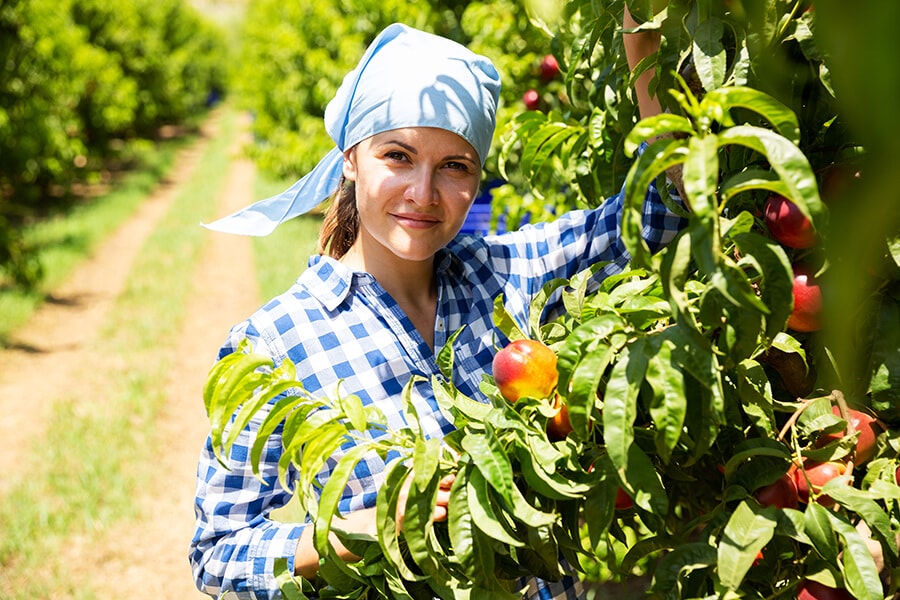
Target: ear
349 168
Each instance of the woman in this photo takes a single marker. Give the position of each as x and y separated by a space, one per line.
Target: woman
413 125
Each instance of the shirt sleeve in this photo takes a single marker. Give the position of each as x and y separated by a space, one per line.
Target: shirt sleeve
235 544
523 261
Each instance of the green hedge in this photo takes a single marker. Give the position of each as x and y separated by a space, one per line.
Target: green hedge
81 79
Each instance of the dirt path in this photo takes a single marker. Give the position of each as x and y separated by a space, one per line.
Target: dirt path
45 357
150 552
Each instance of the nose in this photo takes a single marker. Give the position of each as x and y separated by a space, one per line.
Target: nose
420 188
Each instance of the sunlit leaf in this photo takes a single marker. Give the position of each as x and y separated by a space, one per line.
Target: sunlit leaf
747 532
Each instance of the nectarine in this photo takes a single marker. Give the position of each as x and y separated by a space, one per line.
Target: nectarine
525 368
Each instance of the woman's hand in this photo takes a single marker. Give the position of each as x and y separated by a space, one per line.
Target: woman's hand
306 561
440 505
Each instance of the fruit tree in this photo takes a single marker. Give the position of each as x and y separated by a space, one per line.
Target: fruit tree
732 411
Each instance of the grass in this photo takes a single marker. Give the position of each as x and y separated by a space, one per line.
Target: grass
63 241
97 451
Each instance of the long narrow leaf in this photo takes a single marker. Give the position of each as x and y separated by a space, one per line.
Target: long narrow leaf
788 161
748 530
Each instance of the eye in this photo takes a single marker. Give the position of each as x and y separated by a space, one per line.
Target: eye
396 155
457 166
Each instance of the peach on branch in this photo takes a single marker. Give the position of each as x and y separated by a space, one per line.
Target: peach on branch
623 500
812 476
807 313
525 368
558 426
868 429
787 224
549 68
813 590
782 493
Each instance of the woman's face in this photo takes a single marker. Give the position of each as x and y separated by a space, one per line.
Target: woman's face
414 187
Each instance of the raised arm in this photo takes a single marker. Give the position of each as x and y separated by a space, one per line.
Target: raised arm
639 45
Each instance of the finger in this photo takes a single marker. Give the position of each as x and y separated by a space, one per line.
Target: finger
440 513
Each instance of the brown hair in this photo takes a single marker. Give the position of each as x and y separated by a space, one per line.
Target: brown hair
341 223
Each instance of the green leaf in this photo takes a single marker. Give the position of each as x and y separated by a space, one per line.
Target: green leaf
583 389
235 383
642 549
331 495
756 447
620 402
540 300
683 558
490 458
386 513
291 587
651 127
818 528
484 511
460 524
316 445
426 457
701 180
748 530
862 503
445 355
278 413
674 273
776 287
669 403
756 396
460 408
549 485
574 296
539 148
752 179
780 116
708 53
583 340
505 322
352 407
418 525
692 352
659 156
788 161
860 573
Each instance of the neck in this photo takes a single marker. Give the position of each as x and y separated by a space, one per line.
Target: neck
412 284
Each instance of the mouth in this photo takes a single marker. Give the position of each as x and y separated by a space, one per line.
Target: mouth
416 220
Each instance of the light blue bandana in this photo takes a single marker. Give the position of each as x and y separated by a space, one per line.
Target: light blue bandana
406 78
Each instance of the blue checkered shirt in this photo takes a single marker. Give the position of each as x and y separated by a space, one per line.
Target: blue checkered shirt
337 325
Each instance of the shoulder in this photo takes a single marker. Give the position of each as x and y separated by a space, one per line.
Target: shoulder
289 320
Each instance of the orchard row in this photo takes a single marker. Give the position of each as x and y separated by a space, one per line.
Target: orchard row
82 83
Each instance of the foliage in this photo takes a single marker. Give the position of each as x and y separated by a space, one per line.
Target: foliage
661 371
673 371
81 80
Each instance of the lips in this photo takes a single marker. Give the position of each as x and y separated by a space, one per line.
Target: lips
416 220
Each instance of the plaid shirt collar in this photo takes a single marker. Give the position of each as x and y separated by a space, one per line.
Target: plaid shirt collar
331 281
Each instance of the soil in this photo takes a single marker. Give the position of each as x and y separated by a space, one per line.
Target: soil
54 353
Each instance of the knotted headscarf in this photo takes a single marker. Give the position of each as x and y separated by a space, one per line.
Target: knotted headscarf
406 78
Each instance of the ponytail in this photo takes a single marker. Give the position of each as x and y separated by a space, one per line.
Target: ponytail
341 223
